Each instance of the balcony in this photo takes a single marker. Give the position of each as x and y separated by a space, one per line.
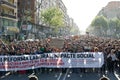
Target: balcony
8 15
5 2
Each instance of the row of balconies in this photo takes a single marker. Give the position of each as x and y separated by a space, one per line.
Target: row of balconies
9 4
6 2
8 15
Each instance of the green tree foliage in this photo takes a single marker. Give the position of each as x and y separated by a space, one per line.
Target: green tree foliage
53 17
114 26
74 31
100 23
101 26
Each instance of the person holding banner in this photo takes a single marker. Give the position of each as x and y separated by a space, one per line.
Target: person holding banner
111 60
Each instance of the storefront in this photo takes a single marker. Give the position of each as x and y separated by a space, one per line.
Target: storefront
8 29
7 22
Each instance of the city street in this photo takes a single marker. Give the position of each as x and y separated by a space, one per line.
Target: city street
68 75
59 39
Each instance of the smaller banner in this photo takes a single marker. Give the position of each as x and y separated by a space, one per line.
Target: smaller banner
52 60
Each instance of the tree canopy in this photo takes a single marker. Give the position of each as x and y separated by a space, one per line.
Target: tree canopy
53 17
101 26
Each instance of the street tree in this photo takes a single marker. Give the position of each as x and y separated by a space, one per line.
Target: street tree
74 30
26 15
53 17
100 25
114 27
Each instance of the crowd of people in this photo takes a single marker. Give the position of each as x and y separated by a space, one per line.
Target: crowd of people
83 43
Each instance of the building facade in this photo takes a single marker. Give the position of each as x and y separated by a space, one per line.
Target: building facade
8 17
63 8
45 4
24 16
111 10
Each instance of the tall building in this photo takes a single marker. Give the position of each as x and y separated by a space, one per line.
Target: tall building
63 8
8 17
71 22
111 10
68 22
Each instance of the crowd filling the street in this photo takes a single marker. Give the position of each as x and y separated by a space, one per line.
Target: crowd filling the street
75 44
59 40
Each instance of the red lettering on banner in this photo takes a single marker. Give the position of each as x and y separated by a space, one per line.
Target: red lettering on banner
54 62
25 63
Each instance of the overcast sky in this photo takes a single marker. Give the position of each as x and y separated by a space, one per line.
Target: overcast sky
83 11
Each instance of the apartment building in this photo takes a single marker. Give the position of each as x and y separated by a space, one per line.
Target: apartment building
111 10
8 17
63 8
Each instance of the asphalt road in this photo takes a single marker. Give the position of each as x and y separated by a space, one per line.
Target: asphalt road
58 75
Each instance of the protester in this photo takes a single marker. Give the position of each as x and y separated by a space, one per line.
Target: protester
112 60
110 47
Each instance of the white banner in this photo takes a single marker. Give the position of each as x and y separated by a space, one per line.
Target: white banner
52 60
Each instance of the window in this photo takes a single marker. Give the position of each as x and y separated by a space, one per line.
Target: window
9 23
5 22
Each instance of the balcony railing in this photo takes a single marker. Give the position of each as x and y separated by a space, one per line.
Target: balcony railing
8 3
8 15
